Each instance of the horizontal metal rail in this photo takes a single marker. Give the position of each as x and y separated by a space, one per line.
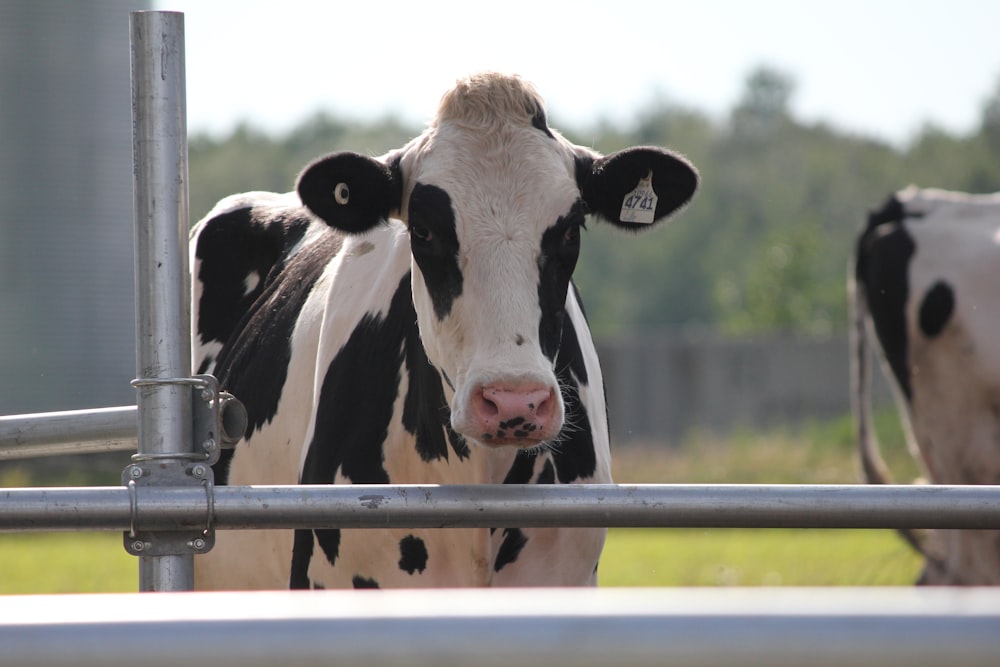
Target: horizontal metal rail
499 628
70 432
463 506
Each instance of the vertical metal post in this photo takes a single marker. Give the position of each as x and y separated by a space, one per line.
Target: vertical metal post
160 173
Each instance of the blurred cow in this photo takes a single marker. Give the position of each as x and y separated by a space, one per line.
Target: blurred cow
927 279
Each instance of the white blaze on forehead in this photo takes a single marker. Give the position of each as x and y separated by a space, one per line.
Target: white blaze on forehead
502 207
508 179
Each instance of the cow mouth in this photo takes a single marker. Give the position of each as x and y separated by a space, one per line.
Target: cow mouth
516 432
501 438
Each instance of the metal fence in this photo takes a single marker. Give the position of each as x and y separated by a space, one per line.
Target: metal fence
168 510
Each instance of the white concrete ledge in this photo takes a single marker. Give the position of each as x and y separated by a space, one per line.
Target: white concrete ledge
580 628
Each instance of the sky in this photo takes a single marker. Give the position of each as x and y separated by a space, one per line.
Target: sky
879 68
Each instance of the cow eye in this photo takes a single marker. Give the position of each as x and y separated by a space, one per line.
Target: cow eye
420 233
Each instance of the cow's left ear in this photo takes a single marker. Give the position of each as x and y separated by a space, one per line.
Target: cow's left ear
636 187
352 192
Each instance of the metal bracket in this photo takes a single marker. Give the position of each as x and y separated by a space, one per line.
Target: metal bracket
218 420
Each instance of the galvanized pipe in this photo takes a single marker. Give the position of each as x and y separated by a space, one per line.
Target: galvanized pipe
95 431
163 323
498 628
463 506
70 432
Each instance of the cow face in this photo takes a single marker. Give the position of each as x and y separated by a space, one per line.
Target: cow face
494 202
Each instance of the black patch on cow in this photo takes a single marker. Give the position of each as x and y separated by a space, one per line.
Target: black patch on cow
883 255
412 554
574 453
364 582
253 363
936 309
547 475
522 469
458 443
425 411
514 540
233 246
302 551
434 244
560 249
892 211
329 542
357 398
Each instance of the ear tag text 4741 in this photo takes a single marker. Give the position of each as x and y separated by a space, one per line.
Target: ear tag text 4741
639 206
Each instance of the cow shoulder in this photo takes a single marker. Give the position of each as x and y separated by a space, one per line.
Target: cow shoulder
256 262
235 248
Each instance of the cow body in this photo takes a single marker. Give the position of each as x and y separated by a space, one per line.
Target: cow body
925 274
410 319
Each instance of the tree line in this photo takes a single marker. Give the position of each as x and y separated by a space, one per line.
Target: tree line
764 247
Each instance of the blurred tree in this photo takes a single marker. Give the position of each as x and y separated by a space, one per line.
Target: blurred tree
989 126
985 146
784 288
763 108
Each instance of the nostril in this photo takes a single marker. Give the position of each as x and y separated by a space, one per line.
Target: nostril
484 407
543 408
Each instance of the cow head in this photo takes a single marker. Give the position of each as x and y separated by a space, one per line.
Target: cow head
494 202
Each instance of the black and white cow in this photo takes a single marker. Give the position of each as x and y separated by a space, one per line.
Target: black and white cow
925 278
411 319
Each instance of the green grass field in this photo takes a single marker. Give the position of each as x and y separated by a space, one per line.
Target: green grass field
96 562
756 557
66 563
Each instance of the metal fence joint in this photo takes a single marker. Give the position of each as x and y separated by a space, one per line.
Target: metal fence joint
218 419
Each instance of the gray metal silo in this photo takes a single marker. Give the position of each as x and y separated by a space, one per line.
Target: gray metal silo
66 270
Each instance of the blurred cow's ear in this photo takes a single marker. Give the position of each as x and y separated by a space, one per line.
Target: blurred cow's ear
352 192
636 187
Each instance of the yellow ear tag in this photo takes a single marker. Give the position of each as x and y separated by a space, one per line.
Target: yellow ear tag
639 206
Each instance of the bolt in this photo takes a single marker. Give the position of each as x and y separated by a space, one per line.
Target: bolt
138 546
197 544
135 472
209 445
198 470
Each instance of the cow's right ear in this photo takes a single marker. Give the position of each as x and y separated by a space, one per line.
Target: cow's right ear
352 192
